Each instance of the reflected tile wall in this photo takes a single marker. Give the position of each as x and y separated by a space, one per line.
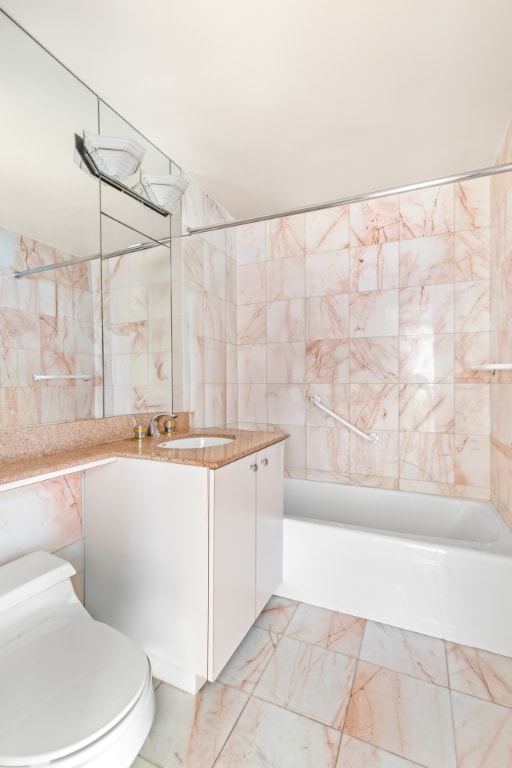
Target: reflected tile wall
500 337
209 324
48 325
383 308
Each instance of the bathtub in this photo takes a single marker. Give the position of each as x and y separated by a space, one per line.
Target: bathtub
426 563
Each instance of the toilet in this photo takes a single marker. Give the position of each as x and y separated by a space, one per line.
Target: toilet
73 691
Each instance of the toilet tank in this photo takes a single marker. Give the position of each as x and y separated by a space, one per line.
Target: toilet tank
32 588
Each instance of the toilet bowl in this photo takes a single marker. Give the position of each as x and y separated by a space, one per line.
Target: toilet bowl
73 691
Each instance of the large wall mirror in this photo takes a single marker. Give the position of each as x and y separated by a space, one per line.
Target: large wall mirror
85 288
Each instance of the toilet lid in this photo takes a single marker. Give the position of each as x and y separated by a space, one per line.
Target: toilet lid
62 685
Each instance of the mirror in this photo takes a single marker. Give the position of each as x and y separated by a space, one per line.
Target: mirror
59 229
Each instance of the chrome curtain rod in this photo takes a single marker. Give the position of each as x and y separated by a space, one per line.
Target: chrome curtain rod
493 170
112 255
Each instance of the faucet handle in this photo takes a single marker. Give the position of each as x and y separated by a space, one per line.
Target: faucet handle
153 428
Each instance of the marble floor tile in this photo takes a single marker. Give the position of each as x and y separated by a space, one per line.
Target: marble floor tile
309 680
245 667
480 673
403 715
328 629
358 754
407 652
191 730
267 736
277 614
483 732
139 762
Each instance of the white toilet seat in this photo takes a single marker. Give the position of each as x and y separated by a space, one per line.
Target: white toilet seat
91 680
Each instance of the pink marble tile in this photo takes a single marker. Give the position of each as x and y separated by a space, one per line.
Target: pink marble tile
286 321
277 614
286 362
472 409
407 652
472 254
251 243
252 403
285 278
427 457
472 203
247 664
471 349
427 408
375 221
268 735
427 358
46 515
327 360
308 679
286 237
426 309
374 314
428 211
380 460
191 730
327 229
286 403
327 449
358 754
480 673
473 306
374 267
472 460
427 261
252 363
403 715
327 317
374 360
374 406
327 273
251 283
328 629
252 324
483 732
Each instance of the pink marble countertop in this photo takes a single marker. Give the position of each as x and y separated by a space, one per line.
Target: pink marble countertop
245 442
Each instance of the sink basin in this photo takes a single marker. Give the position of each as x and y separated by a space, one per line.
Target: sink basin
200 441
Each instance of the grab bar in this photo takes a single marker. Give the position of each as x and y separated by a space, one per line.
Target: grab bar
372 438
44 377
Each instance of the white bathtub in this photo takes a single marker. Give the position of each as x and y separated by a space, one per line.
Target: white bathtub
430 564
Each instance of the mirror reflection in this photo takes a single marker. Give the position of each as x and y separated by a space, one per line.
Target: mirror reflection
64 296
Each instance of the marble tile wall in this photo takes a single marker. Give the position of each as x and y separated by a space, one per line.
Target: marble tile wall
137 332
208 295
47 325
501 335
382 308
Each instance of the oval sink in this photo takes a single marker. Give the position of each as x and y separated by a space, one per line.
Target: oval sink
200 441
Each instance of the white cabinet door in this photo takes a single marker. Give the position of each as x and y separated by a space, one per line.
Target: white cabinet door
232 559
269 522
146 560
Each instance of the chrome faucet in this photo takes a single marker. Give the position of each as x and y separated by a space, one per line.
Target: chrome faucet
153 428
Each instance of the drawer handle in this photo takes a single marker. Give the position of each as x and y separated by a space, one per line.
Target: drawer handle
264 462
254 467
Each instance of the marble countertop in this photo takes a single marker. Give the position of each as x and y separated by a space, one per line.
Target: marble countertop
245 442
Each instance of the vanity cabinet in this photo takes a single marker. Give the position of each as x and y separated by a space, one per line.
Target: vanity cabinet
182 558
246 545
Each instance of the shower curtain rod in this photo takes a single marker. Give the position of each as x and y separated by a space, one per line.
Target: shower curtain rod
493 170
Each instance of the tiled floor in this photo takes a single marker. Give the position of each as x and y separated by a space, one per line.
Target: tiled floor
310 688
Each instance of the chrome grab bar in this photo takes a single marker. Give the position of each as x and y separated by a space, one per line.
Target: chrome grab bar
44 377
372 438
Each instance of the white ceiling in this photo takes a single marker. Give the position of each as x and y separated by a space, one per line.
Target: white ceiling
278 104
